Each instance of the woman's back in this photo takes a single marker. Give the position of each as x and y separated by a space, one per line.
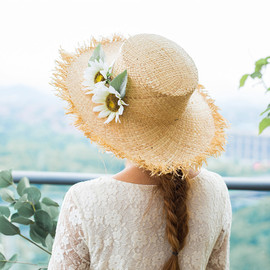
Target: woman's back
119 225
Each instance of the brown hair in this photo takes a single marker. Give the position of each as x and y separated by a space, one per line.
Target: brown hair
174 189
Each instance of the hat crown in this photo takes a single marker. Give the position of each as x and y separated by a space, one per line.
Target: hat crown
156 65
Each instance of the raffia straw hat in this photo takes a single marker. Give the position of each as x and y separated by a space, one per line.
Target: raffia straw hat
168 121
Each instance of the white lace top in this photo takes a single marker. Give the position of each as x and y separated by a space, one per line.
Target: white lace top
102 226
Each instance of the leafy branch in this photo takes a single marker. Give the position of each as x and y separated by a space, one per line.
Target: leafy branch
260 66
27 209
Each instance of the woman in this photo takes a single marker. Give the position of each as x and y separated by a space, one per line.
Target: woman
163 211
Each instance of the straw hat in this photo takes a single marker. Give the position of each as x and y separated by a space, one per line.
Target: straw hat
168 122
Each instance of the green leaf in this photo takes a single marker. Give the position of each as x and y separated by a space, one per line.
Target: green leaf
53 228
256 74
49 242
43 220
49 202
119 83
260 63
2 261
243 80
5 178
33 194
26 210
7 195
4 211
53 211
98 54
16 218
10 262
37 234
20 202
267 109
24 183
264 124
7 228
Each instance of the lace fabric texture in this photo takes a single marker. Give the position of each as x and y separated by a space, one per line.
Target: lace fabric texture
103 225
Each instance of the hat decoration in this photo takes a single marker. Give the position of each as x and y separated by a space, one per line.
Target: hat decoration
107 91
168 121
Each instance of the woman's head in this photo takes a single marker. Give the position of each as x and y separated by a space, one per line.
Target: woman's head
167 120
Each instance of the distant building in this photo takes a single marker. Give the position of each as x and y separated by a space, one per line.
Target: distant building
249 147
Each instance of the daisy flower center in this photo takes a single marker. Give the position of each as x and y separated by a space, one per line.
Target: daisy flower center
99 77
112 102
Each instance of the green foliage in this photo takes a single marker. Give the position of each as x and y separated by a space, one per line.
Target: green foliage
260 65
6 264
119 83
28 209
98 54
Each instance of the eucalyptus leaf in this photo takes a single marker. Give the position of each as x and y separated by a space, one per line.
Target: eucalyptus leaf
53 228
243 80
98 54
4 211
33 194
5 178
49 202
24 183
26 210
10 262
119 83
20 202
53 211
7 228
37 234
49 242
2 261
7 195
264 124
16 218
43 220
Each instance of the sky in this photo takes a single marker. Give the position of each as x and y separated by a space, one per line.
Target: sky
224 38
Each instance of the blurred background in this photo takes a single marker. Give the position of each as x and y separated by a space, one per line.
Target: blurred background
224 38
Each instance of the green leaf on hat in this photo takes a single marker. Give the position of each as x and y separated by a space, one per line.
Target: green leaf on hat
119 83
264 124
98 54
16 218
7 228
33 194
5 178
4 211
24 183
7 195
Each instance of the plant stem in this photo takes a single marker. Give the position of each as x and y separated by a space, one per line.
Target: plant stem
20 262
35 244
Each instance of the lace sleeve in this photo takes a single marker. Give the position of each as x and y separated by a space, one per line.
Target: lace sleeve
69 250
220 256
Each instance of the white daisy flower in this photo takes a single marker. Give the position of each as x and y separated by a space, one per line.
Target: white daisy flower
112 104
97 72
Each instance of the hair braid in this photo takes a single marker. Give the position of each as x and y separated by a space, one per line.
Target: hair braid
174 188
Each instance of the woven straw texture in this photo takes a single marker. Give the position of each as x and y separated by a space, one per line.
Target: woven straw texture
170 123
